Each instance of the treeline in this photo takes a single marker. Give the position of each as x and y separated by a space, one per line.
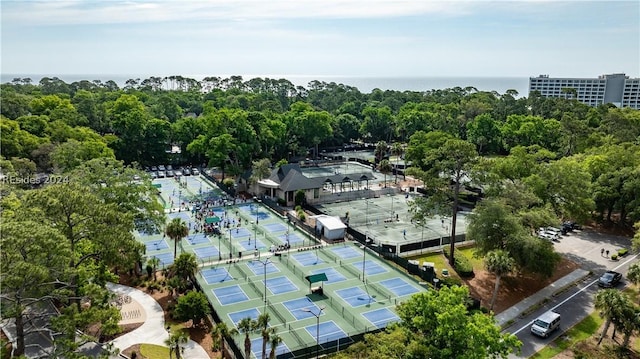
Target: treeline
54 126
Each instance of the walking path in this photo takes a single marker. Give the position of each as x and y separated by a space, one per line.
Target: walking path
153 330
503 319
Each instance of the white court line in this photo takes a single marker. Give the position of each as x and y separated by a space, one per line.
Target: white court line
574 294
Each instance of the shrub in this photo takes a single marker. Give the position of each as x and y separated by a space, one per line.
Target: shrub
297 208
282 202
302 216
622 252
614 257
450 281
228 182
463 266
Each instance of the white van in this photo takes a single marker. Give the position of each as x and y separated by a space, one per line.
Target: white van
545 324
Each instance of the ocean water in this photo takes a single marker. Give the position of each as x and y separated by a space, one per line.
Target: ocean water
364 84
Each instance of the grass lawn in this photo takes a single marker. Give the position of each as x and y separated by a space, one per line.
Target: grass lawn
152 351
440 261
581 331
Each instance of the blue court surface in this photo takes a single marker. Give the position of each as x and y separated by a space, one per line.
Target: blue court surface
296 307
333 276
256 348
197 238
307 258
275 227
346 252
293 238
370 267
216 275
166 259
399 287
156 245
381 317
182 215
280 285
258 267
230 295
355 296
329 331
206 252
239 232
236 317
251 244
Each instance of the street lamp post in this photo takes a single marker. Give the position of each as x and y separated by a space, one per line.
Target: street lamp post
264 264
317 326
220 247
364 254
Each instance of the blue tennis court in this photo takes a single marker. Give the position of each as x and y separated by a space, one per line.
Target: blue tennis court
333 276
182 215
206 252
295 307
165 259
251 244
370 267
355 296
381 317
346 252
329 331
236 317
275 227
156 245
216 275
279 285
230 295
256 348
293 238
240 232
258 267
399 287
307 258
197 238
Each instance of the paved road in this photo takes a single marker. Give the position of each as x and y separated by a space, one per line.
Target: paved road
576 303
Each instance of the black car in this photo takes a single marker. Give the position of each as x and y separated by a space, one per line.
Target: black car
609 279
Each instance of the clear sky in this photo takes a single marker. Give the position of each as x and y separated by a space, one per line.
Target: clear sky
381 38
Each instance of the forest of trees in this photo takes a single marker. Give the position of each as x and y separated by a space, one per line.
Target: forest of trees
539 160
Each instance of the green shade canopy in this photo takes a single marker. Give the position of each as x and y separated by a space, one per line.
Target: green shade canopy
320 277
157 185
214 219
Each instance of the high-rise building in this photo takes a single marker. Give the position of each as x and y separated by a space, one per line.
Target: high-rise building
617 89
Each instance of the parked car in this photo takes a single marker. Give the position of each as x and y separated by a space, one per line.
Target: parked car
609 279
161 168
153 175
570 226
154 168
169 168
186 171
195 172
161 174
177 173
170 173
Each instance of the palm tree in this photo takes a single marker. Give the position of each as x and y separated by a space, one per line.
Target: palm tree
385 168
634 273
380 151
186 266
608 301
274 340
221 331
154 262
263 325
176 230
499 263
246 326
175 341
396 150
